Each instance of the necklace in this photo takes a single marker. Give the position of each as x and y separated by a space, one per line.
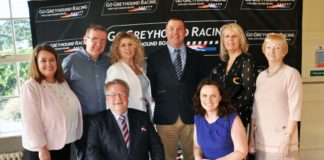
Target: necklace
275 72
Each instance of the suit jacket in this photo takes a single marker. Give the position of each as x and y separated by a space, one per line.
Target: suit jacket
106 142
43 118
122 71
173 97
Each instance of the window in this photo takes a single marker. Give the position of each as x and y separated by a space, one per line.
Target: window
15 50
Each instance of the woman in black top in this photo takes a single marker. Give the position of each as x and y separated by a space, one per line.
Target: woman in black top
236 71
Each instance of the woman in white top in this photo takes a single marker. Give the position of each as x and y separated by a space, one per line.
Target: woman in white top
277 105
51 112
127 58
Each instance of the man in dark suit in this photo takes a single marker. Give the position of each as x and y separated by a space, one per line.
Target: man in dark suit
121 133
173 88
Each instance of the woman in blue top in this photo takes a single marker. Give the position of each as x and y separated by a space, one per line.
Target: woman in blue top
219 132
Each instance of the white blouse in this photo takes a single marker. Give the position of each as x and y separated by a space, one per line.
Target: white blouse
69 107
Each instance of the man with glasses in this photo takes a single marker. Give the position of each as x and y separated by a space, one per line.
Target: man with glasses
121 132
85 71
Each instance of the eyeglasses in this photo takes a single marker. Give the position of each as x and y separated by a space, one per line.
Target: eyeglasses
114 95
97 40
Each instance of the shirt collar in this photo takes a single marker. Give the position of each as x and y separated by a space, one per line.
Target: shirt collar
117 115
85 53
171 49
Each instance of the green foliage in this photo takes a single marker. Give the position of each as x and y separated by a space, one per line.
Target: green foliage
23 36
5 35
9 108
23 72
22 30
28 50
7 79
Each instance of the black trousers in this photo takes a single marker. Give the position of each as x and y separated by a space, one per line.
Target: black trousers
62 154
80 145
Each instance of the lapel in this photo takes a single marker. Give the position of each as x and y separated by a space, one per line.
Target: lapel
166 57
188 62
118 131
134 125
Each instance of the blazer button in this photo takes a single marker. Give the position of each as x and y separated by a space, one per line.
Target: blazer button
283 127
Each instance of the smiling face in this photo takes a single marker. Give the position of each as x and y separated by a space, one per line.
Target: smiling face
275 47
231 40
210 98
95 41
274 51
175 32
47 65
127 49
117 98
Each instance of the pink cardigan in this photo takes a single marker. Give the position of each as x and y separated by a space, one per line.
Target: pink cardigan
278 99
42 117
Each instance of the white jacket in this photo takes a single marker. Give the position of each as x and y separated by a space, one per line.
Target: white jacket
121 70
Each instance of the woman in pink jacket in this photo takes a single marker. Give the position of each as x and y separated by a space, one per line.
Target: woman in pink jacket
277 105
51 113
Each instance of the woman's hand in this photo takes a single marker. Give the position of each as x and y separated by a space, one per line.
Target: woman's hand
284 148
252 129
44 154
251 145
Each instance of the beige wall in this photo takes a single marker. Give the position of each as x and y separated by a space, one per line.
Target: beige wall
313 36
312 125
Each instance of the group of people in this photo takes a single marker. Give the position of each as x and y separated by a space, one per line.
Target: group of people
111 108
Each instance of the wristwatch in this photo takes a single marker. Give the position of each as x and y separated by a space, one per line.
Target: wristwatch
287 135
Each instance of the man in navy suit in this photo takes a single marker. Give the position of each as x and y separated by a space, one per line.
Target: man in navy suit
110 139
173 92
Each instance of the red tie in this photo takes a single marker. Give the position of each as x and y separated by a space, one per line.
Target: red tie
124 129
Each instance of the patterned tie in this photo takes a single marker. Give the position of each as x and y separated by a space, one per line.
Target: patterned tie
177 63
124 129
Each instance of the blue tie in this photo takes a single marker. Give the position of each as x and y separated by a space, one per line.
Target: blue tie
177 63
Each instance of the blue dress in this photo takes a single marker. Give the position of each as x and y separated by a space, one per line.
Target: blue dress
215 138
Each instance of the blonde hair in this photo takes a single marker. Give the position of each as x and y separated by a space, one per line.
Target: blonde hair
276 37
114 48
243 41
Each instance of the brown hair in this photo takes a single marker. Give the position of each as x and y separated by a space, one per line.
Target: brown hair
116 81
224 108
95 27
114 48
34 70
223 55
175 19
